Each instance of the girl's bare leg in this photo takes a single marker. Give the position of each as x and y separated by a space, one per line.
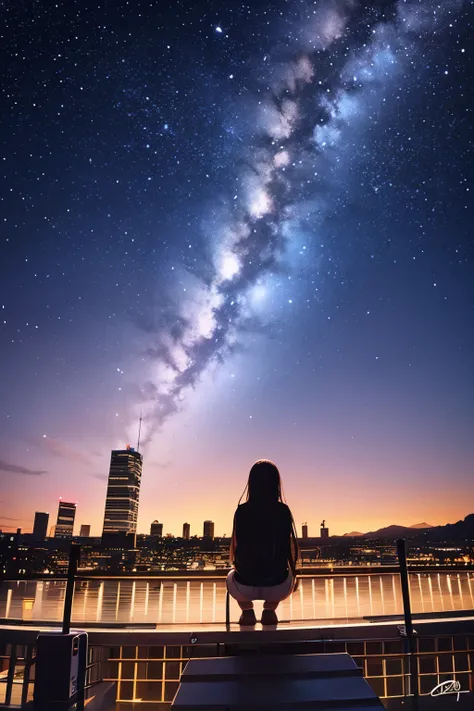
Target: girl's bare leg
245 604
270 605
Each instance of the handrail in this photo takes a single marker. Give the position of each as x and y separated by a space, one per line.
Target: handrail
408 632
74 556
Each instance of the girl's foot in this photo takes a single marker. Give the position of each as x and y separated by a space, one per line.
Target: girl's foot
247 618
269 617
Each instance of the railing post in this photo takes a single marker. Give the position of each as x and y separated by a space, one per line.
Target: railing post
11 675
409 632
61 657
74 555
402 560
227 610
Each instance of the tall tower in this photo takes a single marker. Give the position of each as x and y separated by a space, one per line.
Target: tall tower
123 491
208 529
40 527
324 530
65 522
186 531
304 530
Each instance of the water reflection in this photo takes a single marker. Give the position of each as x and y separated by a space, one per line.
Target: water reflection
196 600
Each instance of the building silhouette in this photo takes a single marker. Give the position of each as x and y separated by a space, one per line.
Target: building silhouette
156 529
208 529
186 531
40 526
304 530
324 530
123 491
65 522
85 530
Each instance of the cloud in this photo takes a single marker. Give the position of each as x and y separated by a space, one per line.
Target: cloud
15 469
98 475
63 450
161 465
8 518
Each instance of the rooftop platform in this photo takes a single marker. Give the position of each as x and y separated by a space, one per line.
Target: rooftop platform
143 632
146 662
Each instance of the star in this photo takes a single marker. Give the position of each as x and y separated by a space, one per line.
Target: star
162 215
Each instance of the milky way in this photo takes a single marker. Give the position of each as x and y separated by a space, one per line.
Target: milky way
251 222
306 116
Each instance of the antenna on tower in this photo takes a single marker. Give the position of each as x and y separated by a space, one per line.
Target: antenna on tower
139 431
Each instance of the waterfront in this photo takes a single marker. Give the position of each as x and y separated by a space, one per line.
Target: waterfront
197 599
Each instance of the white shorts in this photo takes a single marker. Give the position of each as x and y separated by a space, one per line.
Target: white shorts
270 593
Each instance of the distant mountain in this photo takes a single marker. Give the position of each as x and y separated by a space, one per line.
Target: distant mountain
393 531
460 531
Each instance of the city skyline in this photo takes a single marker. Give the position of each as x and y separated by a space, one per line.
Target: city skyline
304 530
252 225
157 527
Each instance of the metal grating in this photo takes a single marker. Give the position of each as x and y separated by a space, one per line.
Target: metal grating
150 674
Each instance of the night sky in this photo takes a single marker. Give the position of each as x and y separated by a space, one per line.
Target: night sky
253 223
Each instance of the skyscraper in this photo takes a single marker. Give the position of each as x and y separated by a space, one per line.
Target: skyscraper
324 530
156 529
304 530
186 531
208 530
40 526
85 530
65 522
123 491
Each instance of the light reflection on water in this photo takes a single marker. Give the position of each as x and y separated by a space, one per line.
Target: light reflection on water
196 600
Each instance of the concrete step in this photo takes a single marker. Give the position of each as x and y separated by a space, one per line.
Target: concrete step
264 683
295 665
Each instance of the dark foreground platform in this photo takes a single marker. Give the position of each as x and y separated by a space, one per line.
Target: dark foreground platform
316 681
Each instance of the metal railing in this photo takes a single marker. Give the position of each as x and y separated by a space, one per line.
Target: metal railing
196 600
151 674
411 665
17 667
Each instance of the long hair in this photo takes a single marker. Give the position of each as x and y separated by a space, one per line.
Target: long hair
264 487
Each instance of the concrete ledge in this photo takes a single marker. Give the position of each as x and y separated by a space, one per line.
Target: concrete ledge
218 634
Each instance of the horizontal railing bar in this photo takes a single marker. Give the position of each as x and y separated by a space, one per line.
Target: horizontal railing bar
327 570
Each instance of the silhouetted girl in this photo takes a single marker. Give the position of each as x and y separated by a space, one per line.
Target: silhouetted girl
264 548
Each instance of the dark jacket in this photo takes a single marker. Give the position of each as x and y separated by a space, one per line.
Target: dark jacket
262 540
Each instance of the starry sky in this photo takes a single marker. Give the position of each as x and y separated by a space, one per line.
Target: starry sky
252 223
